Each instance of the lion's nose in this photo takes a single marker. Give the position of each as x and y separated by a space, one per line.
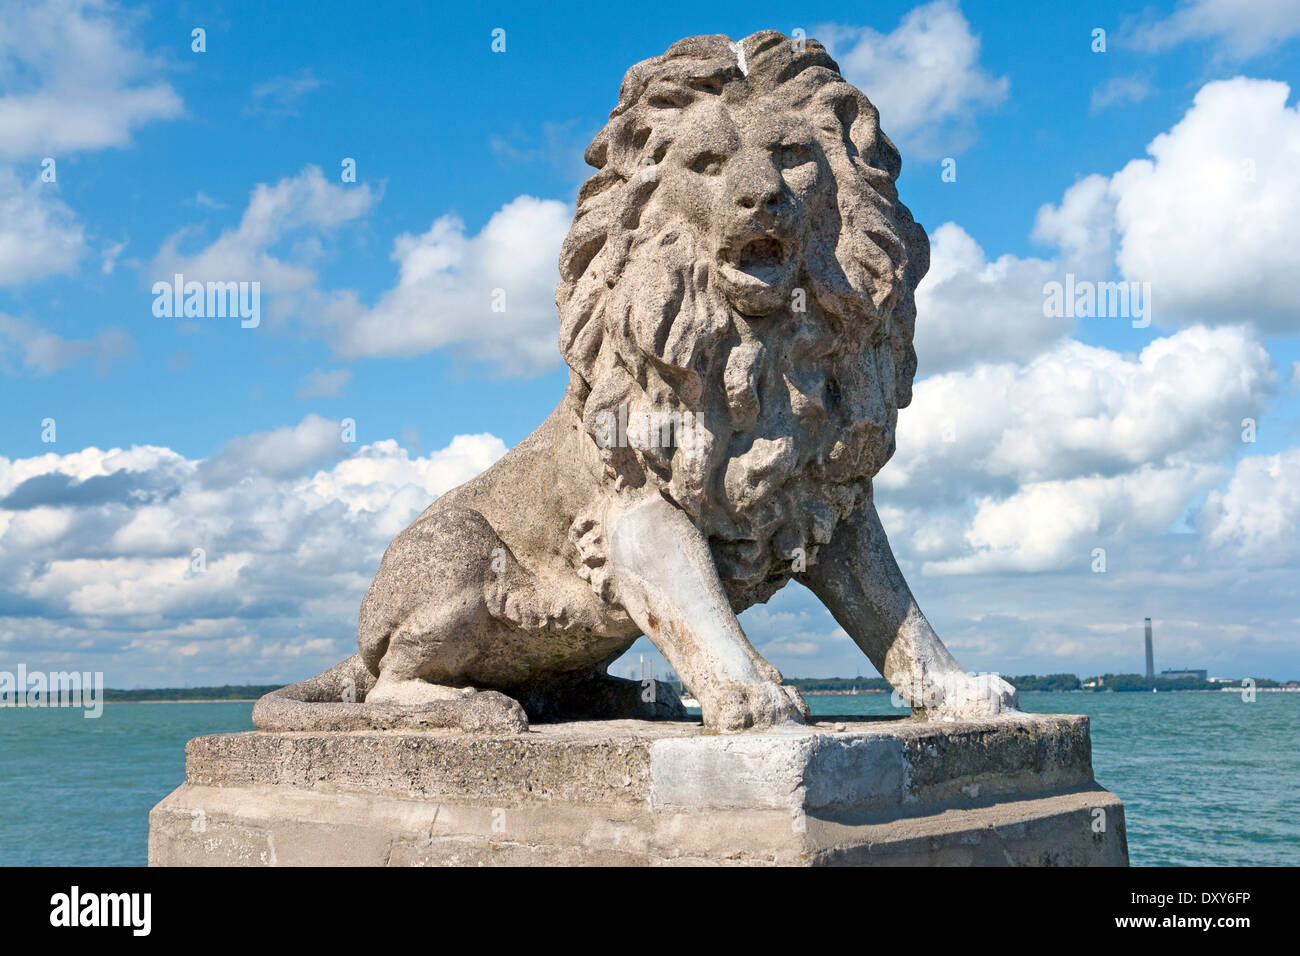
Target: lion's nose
755 184
766 197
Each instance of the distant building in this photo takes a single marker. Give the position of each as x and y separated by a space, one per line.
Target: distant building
1175 675
1151 658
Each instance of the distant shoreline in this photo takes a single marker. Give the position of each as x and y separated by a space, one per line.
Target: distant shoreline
809 693
1233 689
191 700
815 686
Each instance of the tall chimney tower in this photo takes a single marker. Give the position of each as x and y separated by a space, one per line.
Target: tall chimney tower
1151 661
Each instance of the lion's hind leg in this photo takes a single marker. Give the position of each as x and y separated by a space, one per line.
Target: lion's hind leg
426 627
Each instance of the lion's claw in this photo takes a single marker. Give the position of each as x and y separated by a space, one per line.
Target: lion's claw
754 706
972 697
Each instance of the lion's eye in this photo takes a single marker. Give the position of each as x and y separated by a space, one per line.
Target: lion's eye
668 96
706 84
708 164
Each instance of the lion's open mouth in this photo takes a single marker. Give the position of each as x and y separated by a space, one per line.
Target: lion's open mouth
760 253
762 257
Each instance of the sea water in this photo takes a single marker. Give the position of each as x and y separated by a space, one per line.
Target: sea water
1206 778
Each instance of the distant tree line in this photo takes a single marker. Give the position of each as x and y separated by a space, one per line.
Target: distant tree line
1026 682
224 692
1131 682
1047 682
1041 682
839 683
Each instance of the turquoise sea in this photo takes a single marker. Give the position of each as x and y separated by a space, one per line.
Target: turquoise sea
1205 778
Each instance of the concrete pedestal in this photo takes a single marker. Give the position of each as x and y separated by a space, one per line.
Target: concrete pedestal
878 792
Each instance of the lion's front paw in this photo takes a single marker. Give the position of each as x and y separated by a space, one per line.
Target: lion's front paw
754 706
966 696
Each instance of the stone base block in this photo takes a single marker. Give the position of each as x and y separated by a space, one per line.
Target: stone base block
876 792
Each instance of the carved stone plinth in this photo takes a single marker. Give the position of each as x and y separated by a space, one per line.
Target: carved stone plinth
879 791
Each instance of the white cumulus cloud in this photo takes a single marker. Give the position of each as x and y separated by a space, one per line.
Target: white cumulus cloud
39 235
488 296
924 76
1209 219
1239 28
1015 467
74 79
970 309
131 561
1258 514
301 207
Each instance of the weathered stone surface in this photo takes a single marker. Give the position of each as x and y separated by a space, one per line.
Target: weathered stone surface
736 297
737 305
639 793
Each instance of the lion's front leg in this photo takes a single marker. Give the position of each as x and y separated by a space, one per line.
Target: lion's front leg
860 583
665 578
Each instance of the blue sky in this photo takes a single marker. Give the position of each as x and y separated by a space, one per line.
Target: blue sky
1062 437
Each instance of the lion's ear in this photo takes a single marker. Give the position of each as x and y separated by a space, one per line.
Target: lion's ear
859 123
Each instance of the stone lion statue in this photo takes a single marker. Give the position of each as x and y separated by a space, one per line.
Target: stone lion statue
736 305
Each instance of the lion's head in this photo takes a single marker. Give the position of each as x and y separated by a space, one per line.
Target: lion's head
741 267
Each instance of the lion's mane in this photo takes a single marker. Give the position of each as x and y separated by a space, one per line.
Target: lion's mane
768 471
